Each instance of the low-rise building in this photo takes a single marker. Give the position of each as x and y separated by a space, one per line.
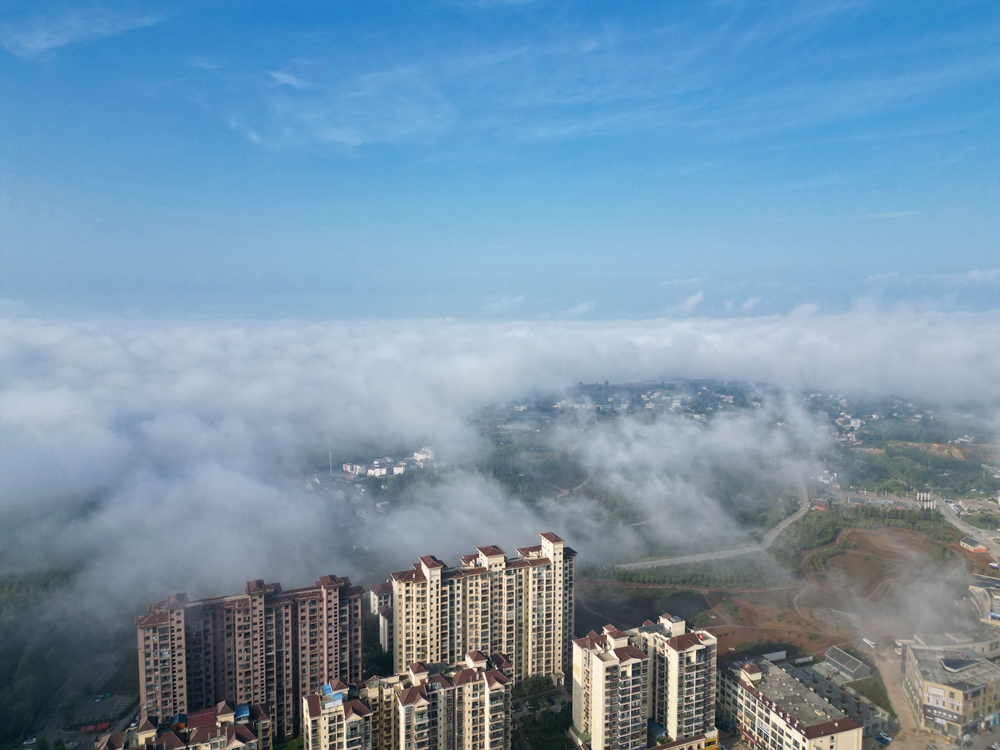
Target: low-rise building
973 545
951 691
872 718
772 710
985 592
984 640
846 664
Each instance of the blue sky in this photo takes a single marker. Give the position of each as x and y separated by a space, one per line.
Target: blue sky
498 159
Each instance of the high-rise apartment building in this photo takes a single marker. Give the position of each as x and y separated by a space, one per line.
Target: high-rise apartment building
461 709
610 691
331 721
681 681
521 608
381 605
263 646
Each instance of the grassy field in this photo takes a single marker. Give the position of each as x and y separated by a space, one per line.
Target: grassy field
874 690
820 528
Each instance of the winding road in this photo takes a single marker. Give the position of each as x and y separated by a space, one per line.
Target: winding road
766 542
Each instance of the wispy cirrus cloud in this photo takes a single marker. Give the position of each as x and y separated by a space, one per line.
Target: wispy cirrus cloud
975 277
384 106
719 74
40 35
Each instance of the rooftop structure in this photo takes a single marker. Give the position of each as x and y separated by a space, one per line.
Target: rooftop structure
240 727
846 664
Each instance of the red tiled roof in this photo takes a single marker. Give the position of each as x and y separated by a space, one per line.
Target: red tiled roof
412 696
831 727
314 706
465 676
685 641
409 575
241 732
202 718
356 709
549 536
491 550
494 677
591 641
629 653
431 562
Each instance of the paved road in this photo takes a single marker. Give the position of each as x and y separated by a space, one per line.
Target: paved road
986 537
766 542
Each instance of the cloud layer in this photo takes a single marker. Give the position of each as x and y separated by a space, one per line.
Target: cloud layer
174 456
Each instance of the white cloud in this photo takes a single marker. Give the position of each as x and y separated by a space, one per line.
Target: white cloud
691 302
40 35
116 430
280 78
750 304
984 277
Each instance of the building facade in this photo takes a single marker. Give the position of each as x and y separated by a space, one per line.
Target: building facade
521 608
460 709
682 679
772 710
985 591
264 646
610 692
951 691
330 721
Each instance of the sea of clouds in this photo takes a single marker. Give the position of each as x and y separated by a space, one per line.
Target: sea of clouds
170 456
